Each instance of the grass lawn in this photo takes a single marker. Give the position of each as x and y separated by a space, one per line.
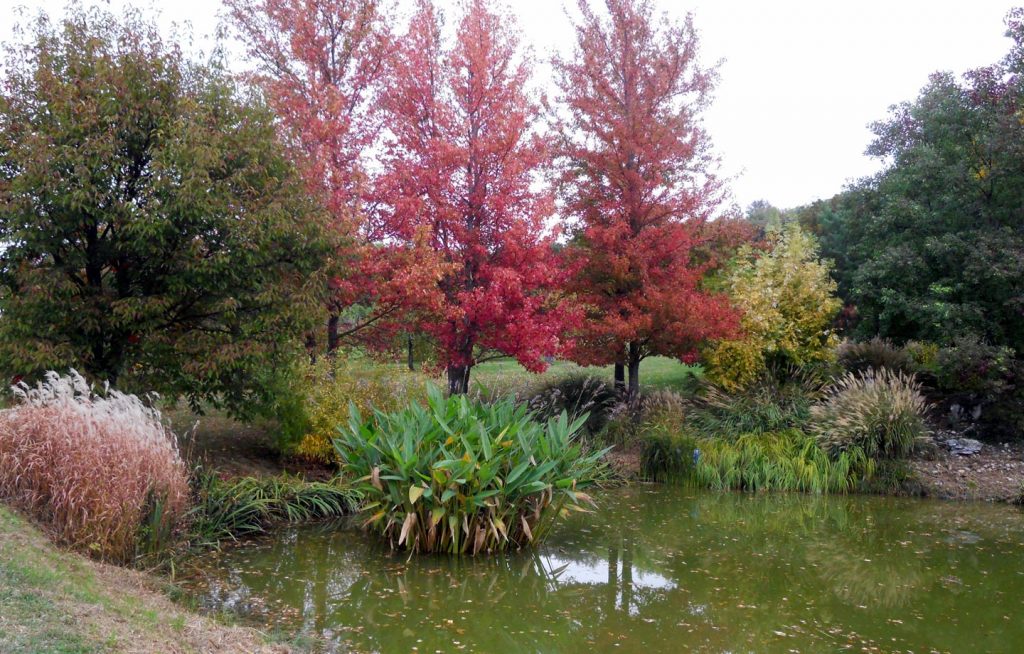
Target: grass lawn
655 372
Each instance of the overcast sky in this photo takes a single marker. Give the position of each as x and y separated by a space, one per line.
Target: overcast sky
801 80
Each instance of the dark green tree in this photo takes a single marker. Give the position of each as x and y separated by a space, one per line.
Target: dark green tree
933 246
154 233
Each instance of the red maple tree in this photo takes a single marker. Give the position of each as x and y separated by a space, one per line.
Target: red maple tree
462 159
321 64
638 180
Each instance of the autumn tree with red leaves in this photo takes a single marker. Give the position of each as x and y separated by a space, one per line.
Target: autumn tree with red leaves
321 64
638 181
461 159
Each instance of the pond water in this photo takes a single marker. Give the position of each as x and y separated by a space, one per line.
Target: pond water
659 569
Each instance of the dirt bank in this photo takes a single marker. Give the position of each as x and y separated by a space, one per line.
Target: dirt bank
995 474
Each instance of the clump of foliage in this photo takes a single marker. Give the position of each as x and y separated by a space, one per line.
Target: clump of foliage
462 476
781 461
329 387
658 426
878 353
96 468
156 234
666 453
985 382
631 420
788 303
923 356
232 509
879 412
776 401
971 366
577 395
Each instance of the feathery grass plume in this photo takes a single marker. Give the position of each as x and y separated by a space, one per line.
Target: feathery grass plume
881 412
97 468
576 395
463 477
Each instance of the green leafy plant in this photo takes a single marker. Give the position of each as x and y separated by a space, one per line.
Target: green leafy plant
462 476
667 454
878 411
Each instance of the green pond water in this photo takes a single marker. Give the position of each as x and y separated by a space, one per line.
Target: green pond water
658 569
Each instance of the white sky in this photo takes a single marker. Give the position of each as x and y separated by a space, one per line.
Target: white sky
800 83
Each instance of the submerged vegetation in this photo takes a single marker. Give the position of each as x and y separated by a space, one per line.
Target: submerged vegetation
462 476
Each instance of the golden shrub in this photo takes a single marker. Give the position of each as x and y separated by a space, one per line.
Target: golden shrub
788 301
331 385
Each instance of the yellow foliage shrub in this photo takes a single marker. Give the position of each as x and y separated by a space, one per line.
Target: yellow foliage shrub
331 385
788 301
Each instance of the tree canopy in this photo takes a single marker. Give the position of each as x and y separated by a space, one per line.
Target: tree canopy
155 231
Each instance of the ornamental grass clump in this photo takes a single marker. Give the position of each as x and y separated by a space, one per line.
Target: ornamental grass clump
99 470
464 477
881 412
778 461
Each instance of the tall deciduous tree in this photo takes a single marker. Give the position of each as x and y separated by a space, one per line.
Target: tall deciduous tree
152 225
638 178
321 64
462 161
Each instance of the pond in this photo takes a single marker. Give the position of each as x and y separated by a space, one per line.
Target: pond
659 569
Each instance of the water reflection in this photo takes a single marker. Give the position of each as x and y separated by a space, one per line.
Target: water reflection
660 570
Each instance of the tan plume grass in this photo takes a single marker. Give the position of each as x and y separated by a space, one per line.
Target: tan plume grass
97 468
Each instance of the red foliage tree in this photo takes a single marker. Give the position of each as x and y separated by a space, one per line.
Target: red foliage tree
321 64
462 159
638 181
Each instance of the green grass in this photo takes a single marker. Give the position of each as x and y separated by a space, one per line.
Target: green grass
655 372
58 602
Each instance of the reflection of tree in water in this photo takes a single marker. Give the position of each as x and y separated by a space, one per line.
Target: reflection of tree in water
650 572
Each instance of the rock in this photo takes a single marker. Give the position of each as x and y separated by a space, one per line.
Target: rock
963 446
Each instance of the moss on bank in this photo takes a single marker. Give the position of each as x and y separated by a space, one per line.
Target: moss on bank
57 602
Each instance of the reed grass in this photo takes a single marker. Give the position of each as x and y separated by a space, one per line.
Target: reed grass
779 461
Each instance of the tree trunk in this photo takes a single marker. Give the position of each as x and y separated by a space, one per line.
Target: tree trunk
634 372
620 376
458 380
311 347
411 361
332 333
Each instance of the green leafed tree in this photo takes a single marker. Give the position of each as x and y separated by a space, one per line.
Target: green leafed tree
932 248
154 234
